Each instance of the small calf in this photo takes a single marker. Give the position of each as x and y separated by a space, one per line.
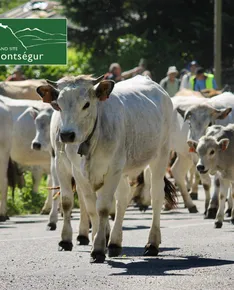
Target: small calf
216 155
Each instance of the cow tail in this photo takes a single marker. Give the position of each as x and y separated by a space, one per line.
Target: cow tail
170 193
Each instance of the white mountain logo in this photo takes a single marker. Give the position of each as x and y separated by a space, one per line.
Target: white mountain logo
28 37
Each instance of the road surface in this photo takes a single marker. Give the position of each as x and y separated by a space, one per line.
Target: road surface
193 255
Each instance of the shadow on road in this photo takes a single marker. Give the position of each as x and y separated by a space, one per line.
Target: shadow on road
138 251
135 228
160 267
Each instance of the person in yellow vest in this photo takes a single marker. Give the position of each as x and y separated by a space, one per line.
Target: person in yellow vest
202 80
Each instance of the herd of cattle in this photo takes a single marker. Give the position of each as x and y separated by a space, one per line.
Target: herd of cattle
112 142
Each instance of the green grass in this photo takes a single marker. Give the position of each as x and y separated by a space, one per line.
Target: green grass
26 201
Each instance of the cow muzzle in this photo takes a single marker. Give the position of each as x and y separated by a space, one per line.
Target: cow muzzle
201 169
36 146
67 137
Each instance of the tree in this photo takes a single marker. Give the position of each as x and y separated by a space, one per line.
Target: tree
176 30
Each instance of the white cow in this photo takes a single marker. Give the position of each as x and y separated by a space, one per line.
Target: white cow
199 116
21 89
216 154
22 135
118 134
6 127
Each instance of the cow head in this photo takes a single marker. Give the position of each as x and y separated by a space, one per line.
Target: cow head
42 124
209 152
200 117
77 99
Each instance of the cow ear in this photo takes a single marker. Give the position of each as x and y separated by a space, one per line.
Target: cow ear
223 144
185 114
192 145
104 89
222 113
48 93
34 112
180 111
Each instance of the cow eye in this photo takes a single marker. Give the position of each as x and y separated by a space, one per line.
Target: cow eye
210 124
86 105
212 152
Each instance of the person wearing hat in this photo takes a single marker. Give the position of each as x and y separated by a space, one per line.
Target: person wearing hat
170 83
202 80
17 74
185 81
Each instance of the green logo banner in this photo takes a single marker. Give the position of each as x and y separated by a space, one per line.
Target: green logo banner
33 41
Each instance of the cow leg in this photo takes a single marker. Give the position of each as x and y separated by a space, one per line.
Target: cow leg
48 203
88 202
112 211
214 202
83 236
206 183
37 173
53 216
105 197
189 179
194 184
229 202
63 168
157 168
4 158
179 171
232 196
122 200
224 186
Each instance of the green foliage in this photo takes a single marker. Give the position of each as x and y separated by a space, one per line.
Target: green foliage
78 63
176 31
6 5
26 201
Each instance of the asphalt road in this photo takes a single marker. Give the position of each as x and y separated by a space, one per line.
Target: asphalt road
193 255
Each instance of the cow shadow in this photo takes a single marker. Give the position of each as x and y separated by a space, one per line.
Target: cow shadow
138 251
160 266
135 228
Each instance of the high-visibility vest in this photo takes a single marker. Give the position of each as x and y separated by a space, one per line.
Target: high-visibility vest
209 81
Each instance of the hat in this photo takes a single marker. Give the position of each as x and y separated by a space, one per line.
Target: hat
17 68
194 62
113 66
171 70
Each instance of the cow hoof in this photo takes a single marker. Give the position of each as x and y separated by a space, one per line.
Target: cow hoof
150 250
194 195
193 209
97 257
232 221
218 225
114 250
51 227
167 207
3 218
211 213
112 216
228 212
44 212
143 208
65 246
83 240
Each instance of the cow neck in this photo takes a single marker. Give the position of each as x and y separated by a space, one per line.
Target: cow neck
85 146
